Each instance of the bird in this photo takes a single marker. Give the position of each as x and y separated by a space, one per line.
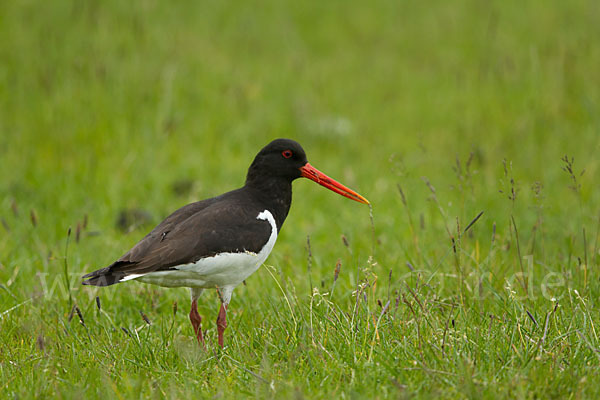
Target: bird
219 242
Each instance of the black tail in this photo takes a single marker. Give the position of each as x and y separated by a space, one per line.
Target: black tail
105 276
102 280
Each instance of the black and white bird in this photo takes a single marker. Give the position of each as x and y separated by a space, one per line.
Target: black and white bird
219 242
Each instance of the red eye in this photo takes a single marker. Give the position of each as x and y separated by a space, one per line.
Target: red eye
286 153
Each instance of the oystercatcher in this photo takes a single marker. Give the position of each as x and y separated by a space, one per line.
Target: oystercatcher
219 242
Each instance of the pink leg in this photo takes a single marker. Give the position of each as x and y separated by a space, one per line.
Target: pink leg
196 321
222 323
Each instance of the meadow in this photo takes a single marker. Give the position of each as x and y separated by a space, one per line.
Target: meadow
472 127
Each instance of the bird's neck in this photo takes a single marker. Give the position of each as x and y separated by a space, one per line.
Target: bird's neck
274 194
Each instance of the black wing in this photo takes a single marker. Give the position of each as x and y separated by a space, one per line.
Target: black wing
195 231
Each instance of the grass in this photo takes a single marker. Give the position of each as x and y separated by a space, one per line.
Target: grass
434 111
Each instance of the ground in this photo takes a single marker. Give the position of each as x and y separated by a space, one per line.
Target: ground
113 114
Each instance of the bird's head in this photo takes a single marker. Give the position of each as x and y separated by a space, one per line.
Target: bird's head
286 159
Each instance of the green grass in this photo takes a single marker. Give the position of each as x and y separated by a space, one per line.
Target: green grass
107 106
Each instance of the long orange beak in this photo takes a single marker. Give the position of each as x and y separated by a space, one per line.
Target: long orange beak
310 172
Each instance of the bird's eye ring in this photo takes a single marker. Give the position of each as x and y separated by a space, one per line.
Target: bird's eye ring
286 153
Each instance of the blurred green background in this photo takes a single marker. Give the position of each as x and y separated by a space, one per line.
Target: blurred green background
106 104
110 106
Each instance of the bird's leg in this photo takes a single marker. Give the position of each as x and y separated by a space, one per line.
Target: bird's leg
224 294
196 321
222 323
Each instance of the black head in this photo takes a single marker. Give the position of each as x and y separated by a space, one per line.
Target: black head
283 160
280 159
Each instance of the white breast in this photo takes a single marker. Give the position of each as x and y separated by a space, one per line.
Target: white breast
222 270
